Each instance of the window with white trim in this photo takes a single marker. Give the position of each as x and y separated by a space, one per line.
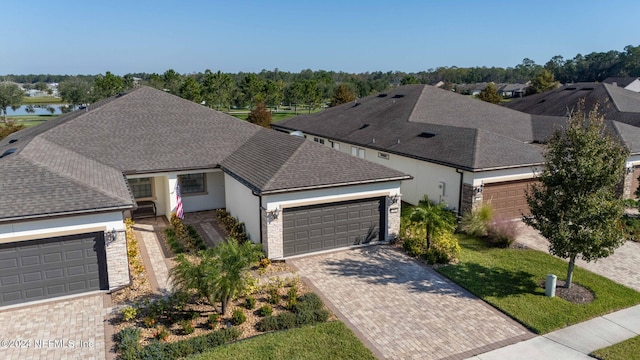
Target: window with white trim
141 187
318 140
356 151
383 156
192 183
335 145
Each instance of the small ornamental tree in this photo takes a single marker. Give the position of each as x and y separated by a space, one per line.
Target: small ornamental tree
260 115
490 94
575 204
342 95
434 217
10 95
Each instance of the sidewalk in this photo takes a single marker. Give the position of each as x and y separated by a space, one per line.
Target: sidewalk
574 342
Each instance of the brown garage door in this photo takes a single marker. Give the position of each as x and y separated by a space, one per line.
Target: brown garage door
314 228
507 198
51 267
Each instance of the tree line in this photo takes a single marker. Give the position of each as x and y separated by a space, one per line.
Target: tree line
310 88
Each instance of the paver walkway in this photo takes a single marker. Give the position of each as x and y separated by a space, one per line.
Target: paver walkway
53 330
404 310
623 266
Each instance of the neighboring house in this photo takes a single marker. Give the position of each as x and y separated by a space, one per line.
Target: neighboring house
68 184
629 83
512 90
461 151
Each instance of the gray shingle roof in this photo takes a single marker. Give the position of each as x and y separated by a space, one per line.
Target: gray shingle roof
274 162
467 133
616 103
77 162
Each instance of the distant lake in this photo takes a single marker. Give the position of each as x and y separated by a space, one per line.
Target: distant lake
37 109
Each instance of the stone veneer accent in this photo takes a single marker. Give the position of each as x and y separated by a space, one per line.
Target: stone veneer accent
274 245
470 200
627 191
393 221
118 262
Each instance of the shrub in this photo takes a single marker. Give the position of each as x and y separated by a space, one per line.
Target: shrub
414 246
187 327
632 227
181 349
268 323
265 262
173 242
308 301
292 298
503 233
129 313
212 320
321 315
435 256
274 295
178 300
238 317
476 222
149 322
306 317
160 333
128 342
250 303
286 320
265 310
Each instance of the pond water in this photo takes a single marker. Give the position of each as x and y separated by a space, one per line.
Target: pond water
37 109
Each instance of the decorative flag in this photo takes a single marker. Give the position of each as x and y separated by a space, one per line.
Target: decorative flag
179 210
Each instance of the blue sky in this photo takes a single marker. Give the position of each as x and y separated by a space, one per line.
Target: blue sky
91 37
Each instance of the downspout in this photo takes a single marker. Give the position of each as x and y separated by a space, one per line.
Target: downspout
460 191
259 213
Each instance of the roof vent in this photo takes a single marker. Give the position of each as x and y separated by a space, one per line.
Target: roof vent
382 95
364 126
570 88
541 101
587 88
427 134
398 96
8 152
297 133
12 141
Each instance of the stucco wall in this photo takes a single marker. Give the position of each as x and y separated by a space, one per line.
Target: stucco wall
245 206
214 197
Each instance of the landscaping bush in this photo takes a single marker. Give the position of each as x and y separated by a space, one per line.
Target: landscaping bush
274 295
268 323
161 333
502 233
173 242
184 348
212 320
321 315
149 322
235 228
476 222
238 317
308 302
306 317
187 327
632 227
250 303
292 298
414 246
435 256
286 320
128 313
128 343
265 310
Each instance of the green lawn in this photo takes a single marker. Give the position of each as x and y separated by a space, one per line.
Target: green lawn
41 100
626 350
332 340
509 279
30 120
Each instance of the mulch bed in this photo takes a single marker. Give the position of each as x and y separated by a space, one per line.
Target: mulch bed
576 294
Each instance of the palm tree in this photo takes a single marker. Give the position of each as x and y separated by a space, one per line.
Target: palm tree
219 273
434 216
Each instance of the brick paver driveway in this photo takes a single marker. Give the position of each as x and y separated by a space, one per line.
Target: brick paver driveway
63 329
402 309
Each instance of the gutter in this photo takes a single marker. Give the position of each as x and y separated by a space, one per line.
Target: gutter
398 178
64 213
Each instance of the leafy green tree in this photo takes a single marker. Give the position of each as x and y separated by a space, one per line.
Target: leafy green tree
191 90
42 86
107 86
75 91
575 205
274 92
253 88
172 81
342 95
311 94
542 82
260 115
10 94
490 94
434 217
217 89
294 94
409 79
219 273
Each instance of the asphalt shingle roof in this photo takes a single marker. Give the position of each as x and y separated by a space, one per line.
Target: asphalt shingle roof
459 131
77 162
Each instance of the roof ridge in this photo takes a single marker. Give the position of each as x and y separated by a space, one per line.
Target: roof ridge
285 164
66 175
415 104
476 145
613 99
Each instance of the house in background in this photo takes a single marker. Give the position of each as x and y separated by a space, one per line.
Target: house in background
461 151
629 83
69 183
